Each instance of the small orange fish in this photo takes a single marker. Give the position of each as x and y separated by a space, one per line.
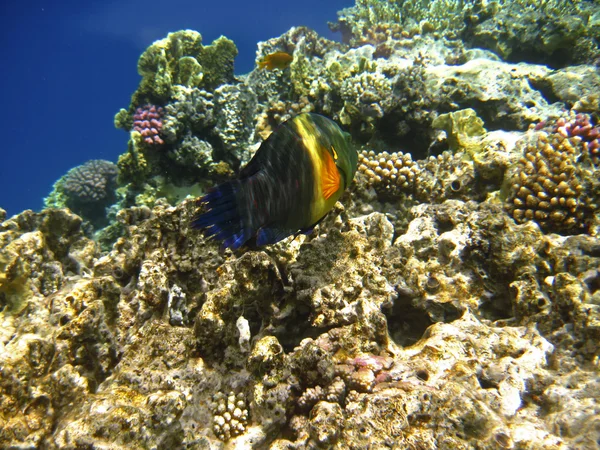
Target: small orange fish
277 60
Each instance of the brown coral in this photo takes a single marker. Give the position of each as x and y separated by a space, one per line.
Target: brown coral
389 173
548 184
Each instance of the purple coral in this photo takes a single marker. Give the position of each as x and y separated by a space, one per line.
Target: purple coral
147 121
581 126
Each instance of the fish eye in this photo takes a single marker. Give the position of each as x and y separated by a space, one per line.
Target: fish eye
335 155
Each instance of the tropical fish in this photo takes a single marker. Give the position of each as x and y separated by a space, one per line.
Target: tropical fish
277 60
288 187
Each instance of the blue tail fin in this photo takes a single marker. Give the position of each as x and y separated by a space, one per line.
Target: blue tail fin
222 218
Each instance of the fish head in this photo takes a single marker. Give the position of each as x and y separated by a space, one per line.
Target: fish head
337 143
345 155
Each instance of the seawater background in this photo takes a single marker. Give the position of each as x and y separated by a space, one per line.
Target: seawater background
68 66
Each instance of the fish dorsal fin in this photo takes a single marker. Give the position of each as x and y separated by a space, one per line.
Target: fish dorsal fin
330 176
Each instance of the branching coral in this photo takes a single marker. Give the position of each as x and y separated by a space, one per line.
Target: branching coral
549 184
389 173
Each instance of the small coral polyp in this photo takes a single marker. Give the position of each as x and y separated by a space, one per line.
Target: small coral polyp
230 415
147 121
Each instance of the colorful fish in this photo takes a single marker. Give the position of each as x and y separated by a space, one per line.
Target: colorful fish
288 187
277 60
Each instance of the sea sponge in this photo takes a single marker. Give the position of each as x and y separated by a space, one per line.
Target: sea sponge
549 184
463 128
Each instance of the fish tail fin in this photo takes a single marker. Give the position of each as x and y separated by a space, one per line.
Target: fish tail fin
222 218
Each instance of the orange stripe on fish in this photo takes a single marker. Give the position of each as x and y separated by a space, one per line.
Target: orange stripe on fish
330 176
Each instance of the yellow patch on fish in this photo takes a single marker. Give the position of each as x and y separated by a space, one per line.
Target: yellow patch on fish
327 177
277 60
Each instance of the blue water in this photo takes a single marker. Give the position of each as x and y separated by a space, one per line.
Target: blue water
68 66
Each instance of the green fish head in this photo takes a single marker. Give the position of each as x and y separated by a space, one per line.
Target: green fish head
347 160
336 141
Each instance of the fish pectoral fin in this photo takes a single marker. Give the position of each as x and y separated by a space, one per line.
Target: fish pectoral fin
330 177
267 235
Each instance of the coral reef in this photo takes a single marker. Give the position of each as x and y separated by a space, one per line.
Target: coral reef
174 108
458 330
451 299
509 28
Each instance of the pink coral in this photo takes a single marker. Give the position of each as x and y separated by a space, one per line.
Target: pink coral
147 121
365 371
577 125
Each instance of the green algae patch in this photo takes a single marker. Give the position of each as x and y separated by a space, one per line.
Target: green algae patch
463 129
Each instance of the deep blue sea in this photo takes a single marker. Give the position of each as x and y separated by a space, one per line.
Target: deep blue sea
68 66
